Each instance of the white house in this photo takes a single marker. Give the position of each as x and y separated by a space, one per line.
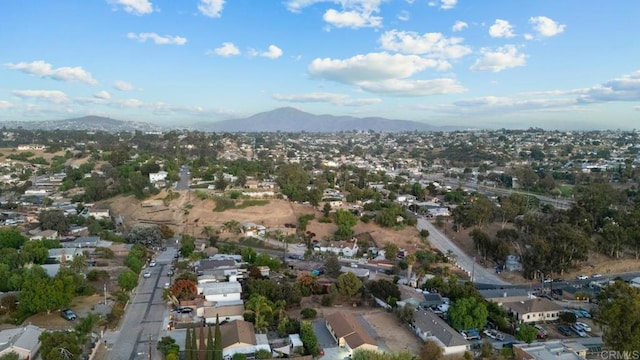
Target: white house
429 326
345 248
23 341
44 234
159 176
534 310
221 291
239 337
64 254
253 230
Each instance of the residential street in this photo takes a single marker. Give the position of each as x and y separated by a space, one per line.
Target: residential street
443 243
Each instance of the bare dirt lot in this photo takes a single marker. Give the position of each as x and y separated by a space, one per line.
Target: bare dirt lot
191 215
81 305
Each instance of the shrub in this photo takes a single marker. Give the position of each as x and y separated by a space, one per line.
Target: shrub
328 299
308 313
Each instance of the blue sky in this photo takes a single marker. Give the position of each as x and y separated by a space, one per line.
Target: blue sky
478 63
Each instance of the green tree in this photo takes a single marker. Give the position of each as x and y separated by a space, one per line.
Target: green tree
260 306
309 339
210 345
527 333
34 252
11 238
326 209
332 265
167 345
10 356
128 280
618 314
54 220
217 345
345 220
59 345
468 313
349 285
293 180
390 251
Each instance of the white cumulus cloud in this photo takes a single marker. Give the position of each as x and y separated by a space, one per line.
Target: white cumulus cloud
54 96
137 7
401 87
227 49
273 52
448 4
502 58
433 45
353 13
5 105
546 27
459 26
211 8
625 88
45 70
369 67
158 39
501 29
123 85
104 95
353 19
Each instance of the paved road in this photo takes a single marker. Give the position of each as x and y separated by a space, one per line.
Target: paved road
144 319
185 176
444 244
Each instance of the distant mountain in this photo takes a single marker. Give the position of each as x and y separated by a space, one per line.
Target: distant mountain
293 120
95 123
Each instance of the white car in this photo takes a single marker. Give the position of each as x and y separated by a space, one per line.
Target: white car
584 326
146 274
167 285
578 330
582 277
153 263
595 276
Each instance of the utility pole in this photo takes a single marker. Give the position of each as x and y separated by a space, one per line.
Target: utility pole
473 270
149 346
105 293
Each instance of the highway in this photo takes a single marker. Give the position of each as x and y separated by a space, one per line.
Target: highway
467 264
143 322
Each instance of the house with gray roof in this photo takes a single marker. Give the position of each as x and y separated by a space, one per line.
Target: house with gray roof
429 326
23 341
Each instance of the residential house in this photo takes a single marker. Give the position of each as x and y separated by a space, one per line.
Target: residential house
224 312
253 230
432 300
349 333
221 291
24 341
429 326
534 310
501 296
159 176
63 254
343 248
554 349
98 214
44 234
359 272
82 242
238 336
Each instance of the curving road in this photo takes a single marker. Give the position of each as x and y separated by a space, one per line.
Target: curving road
443 243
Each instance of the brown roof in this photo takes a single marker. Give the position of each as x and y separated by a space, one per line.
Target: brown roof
237 331
223 311
533 306
346 326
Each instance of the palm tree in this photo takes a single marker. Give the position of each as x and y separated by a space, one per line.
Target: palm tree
260 306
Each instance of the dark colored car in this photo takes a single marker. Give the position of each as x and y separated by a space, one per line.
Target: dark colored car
184 310
68 314
564 330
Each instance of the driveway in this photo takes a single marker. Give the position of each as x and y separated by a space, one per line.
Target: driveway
325 339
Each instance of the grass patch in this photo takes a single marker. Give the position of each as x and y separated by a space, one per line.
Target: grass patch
247 203
202 195
223 204
566 191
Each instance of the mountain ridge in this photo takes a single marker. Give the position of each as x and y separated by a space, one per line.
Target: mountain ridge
285 119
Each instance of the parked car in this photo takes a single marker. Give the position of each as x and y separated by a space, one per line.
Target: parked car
146 274
578 330
584 326
582 277
564 330
167 285
170 273
595 276
184 310
153 263
542 332
547 280
68 314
